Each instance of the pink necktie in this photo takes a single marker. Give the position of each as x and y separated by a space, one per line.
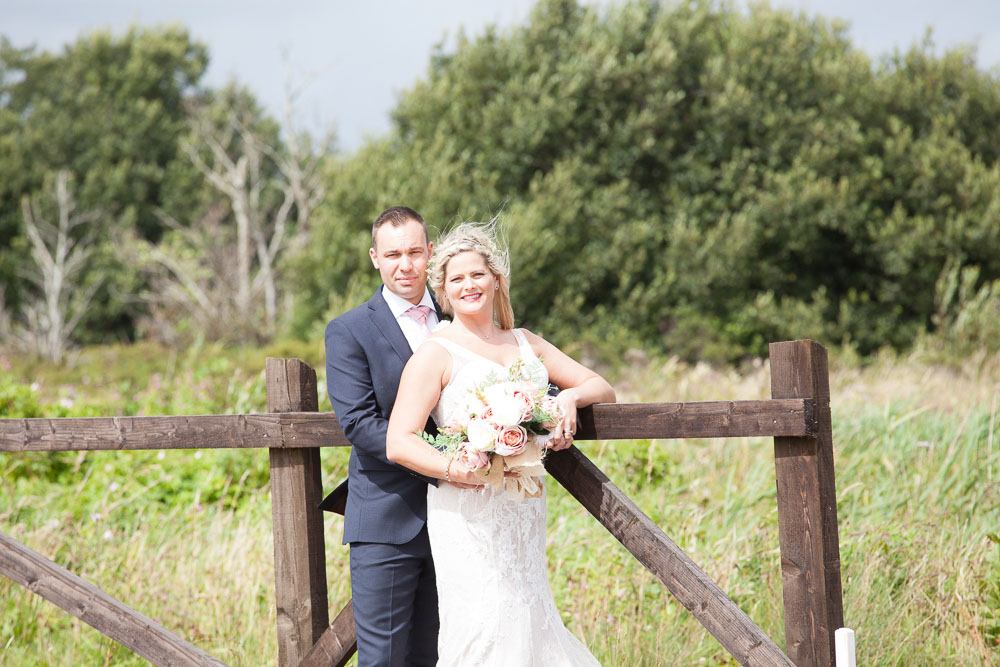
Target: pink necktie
419 315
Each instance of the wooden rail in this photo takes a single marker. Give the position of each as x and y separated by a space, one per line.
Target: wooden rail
301 430
658 553
797 417
93 606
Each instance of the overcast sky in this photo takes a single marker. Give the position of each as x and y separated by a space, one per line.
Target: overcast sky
364 52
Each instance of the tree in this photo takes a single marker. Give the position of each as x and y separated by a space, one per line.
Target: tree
224 270
692 177
59 254
110 111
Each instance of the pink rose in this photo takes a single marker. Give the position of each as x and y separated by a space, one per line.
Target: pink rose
525 398
511 440
474 459
549 406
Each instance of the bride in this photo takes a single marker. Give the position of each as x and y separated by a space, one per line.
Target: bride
494 600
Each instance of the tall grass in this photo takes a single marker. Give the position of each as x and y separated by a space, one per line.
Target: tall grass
185 537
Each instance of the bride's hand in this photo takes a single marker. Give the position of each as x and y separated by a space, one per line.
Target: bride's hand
562 434
463 476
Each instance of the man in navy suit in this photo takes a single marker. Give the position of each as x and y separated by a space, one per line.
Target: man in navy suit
392 574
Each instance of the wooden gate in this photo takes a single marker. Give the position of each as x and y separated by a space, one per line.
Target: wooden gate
797 417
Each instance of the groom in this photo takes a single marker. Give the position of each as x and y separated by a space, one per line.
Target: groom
392 574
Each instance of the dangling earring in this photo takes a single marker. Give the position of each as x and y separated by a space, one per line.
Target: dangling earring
496 286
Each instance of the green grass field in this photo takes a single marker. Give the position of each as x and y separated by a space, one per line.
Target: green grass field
185 538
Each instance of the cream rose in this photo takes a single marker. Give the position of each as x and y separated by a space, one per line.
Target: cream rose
506 408
510 440
482 435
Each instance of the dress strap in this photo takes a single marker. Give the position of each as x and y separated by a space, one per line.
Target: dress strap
458 360
522 343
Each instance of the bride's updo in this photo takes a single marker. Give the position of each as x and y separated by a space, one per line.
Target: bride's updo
484 238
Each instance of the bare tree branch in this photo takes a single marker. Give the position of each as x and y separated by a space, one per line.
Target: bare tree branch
58 256
271 194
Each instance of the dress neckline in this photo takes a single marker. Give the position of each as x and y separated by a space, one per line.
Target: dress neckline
518 336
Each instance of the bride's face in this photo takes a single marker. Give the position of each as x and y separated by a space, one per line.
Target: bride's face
469 284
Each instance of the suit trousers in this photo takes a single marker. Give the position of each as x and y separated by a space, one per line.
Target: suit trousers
395 603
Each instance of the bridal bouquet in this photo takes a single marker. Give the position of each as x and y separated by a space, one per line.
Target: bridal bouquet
503 425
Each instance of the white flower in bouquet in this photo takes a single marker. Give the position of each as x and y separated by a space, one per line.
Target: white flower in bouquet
481 434
506 403
471 407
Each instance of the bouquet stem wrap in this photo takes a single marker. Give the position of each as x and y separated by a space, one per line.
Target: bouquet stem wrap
529 468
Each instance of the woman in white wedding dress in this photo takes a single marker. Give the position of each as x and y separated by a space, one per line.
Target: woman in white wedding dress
495 604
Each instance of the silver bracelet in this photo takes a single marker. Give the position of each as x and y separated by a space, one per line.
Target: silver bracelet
447 471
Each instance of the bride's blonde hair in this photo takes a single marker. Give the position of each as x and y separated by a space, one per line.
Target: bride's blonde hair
486 239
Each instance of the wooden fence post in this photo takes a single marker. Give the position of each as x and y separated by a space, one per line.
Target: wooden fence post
807 509
296 491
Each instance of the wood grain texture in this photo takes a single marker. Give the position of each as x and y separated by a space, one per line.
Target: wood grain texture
299 547
293 429
807 509
338 643
697 419
658 553
96 608
285 430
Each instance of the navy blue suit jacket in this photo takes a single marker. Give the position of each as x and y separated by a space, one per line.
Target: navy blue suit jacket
365 355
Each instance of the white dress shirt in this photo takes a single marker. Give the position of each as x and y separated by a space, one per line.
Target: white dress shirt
415 333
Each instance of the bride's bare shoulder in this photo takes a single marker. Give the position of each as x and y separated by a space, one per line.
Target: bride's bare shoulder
529 334
538 344
431 353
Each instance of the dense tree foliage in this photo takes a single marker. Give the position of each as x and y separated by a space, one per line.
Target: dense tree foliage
688 177
110 111
691 177
190 196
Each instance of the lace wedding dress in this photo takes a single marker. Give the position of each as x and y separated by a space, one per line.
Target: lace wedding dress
494 600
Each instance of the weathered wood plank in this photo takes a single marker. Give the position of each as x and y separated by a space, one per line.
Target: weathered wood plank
96 608
338 643
698 419
296 491
807 509
283 430
651 547
294 430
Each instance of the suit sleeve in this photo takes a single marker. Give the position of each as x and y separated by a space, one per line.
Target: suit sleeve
352 392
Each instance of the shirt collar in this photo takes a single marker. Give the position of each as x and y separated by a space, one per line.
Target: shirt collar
398 305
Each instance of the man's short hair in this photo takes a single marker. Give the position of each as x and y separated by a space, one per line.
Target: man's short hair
398 216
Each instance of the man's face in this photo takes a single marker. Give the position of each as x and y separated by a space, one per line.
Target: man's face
400 255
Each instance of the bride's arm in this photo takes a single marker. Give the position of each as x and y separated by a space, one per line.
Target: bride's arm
419 391
580 386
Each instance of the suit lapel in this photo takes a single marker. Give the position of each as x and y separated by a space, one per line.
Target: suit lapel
386 323
437 308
